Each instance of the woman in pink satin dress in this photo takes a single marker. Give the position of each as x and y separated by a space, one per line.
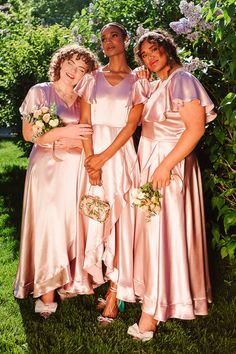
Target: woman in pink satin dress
112 100
50 208
171 273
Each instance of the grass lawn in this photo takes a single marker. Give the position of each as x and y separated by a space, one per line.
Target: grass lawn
74 329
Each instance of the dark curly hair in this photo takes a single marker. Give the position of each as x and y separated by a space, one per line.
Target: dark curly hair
160 37
67 52
119 26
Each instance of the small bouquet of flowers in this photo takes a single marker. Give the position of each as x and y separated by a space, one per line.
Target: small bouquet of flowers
43 119
148 199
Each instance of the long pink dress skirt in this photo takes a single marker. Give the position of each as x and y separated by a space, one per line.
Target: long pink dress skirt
50 233
171 268
113 242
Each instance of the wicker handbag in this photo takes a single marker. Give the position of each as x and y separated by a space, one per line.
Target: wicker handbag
94 207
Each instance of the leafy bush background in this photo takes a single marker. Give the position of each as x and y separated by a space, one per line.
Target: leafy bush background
32 30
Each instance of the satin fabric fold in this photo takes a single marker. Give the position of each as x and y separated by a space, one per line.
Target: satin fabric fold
112 243
49 232
171 273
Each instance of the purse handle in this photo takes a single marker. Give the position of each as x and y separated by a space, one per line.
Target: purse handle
103 190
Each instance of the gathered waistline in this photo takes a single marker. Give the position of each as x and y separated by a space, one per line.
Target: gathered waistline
161 140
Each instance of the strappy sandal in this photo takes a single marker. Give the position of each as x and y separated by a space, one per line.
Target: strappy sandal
136 334
45 310
102 302
113 309
65 294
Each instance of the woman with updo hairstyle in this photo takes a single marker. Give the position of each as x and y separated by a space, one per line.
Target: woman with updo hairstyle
49 230
112 102
171 273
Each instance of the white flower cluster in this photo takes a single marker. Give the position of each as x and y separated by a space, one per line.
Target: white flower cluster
195 64
147 200
141 30
192 24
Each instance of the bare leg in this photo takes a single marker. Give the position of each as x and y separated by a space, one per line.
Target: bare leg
147 323
48 298
111 308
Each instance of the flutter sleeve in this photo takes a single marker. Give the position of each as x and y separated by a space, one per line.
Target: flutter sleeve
185 87
86 87
141 91
34 99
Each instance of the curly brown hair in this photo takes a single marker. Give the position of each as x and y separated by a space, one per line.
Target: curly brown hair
161 37
67 52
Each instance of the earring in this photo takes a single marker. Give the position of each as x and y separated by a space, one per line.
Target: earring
170 61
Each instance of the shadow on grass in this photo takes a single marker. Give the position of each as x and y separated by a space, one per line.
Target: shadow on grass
11 199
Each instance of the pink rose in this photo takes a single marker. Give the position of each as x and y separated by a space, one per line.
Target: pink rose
37 113
46 117
44 109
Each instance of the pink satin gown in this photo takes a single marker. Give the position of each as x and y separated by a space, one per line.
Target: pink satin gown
170 264
113 242
50 210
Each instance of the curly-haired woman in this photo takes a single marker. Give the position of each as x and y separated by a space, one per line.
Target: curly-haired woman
171 270
49 222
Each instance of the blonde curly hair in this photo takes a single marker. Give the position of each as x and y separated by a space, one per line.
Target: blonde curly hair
66 53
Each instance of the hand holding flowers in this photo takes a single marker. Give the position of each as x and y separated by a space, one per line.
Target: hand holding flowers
148 199
161 177
43 119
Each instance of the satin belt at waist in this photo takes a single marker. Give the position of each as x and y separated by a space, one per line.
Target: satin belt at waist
151 131
75 150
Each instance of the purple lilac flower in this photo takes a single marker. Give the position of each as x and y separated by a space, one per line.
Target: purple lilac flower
75 31
93 38
195 64
193 36
218 12
141 30
182 26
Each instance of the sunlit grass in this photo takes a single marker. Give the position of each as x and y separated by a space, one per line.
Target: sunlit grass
74 328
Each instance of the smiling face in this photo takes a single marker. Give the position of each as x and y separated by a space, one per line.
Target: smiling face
73 69
112 40
154 56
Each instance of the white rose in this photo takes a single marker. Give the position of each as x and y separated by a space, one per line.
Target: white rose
137 202
53 122
141 195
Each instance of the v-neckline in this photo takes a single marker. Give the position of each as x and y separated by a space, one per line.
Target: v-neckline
66 105
105 79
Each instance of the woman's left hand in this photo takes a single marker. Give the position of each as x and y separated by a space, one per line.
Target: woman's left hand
67 143
94 162
161 177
